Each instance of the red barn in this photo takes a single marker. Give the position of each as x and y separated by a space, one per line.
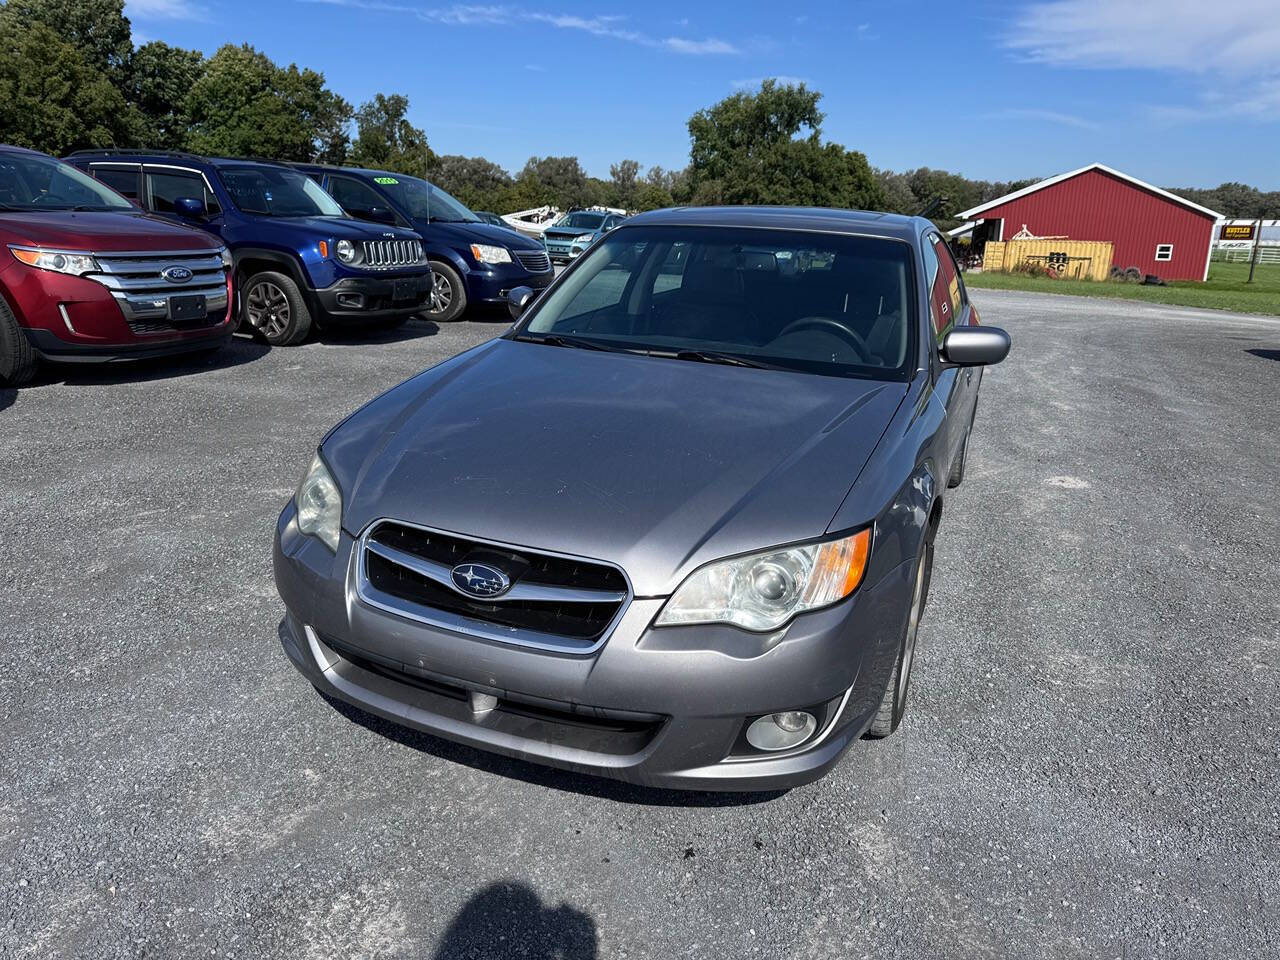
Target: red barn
1152 229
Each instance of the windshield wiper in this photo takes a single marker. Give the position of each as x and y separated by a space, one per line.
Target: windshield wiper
581 343
729 359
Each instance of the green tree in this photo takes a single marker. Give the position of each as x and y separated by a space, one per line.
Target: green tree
98 29
560 179
385 139
767 147
51 98
159 78
477 182
245 105
896 190
624 179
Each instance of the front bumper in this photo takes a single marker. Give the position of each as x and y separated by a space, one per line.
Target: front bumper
355 299
492 285
662 707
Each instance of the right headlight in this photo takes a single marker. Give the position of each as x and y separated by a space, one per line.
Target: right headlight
486 253
319 503
764 591
585 239
346 251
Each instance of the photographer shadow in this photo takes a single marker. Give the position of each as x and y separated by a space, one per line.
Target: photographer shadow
507 919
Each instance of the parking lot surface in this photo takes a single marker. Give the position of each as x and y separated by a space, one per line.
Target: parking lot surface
1088 767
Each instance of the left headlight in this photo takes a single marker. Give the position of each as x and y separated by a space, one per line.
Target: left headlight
345 250
319 503
59 261
585 239
764 591
489 254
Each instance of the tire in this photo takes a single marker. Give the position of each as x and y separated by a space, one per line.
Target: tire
894 703
17 359
273 309
1133 275
448 294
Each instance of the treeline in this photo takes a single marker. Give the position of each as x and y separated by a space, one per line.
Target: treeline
71 78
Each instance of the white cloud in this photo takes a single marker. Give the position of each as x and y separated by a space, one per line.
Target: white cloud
1231 46
609 26
164 10
1043 116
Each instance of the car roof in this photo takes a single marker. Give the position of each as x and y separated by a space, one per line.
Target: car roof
342 168
10 148
820 219
142 156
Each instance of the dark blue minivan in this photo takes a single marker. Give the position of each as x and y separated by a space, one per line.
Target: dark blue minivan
298 258
472 261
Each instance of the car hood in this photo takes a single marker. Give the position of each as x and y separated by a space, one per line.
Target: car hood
345 228
465 234
568 233
100 232
657 465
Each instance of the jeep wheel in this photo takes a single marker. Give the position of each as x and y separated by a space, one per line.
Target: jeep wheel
894 703
17 359
448 295
274 309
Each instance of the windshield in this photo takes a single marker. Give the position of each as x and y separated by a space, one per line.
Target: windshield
277 192
33 182
581 221
423 200
817 302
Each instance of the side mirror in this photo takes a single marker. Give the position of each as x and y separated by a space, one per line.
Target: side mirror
974 346
517 299
189 207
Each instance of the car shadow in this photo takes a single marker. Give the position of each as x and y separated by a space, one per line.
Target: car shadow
240 349
508 919
543 776
1257 352
354 335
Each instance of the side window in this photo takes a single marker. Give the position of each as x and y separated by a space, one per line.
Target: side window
944 286
959 296
123 180
671 273
355 197
939 308
165 187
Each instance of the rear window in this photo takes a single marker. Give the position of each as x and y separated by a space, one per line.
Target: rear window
821 303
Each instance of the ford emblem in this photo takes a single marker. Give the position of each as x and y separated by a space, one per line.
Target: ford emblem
176 274
480 580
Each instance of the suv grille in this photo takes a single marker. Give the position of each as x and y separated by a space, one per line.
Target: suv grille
535 261
142 292
392 253
554 602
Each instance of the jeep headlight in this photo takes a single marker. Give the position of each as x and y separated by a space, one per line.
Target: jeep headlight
319 503
59 261
764 591
345 251
485 253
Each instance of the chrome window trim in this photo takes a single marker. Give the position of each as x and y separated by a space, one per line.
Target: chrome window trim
471 627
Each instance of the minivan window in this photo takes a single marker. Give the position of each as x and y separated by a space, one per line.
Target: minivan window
822 303
277 192
34 182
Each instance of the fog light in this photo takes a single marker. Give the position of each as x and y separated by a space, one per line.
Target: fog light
781 731
354 301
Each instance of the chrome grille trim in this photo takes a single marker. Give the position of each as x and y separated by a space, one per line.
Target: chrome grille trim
535 261
134 279
472 627
381 254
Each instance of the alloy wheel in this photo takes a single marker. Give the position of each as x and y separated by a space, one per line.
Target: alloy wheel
441 293
268 308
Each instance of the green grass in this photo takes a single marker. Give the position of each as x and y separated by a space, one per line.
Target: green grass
1226 288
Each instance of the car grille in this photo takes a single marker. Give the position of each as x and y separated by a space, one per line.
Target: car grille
535 261
554 602
392 253
136 282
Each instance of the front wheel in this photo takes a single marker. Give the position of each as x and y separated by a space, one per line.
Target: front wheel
275 310
894 703
448 294
17 359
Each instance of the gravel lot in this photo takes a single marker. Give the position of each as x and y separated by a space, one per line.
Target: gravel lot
1088 767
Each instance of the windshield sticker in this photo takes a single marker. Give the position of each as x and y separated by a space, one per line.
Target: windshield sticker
385 180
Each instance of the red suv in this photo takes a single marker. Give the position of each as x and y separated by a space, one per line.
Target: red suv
87 276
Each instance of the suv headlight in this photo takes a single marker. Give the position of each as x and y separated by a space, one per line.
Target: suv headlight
225 254
764 591
345 251
59 261
585 239
319 503
487 254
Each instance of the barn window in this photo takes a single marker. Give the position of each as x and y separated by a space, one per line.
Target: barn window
1164 252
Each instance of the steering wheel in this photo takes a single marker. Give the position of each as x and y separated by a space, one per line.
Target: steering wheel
831 326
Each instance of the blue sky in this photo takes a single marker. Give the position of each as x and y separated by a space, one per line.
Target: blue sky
1175 92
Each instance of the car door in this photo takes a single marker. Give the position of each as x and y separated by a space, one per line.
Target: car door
124 178
164 185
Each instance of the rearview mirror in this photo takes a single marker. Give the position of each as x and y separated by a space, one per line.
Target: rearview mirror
189 207
974 346
517 299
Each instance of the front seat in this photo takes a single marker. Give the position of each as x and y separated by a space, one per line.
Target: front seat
711 305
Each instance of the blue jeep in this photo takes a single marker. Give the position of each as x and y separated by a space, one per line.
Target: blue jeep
298 258
472 261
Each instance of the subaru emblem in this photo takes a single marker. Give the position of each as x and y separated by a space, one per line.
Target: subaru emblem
176 274
480 580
